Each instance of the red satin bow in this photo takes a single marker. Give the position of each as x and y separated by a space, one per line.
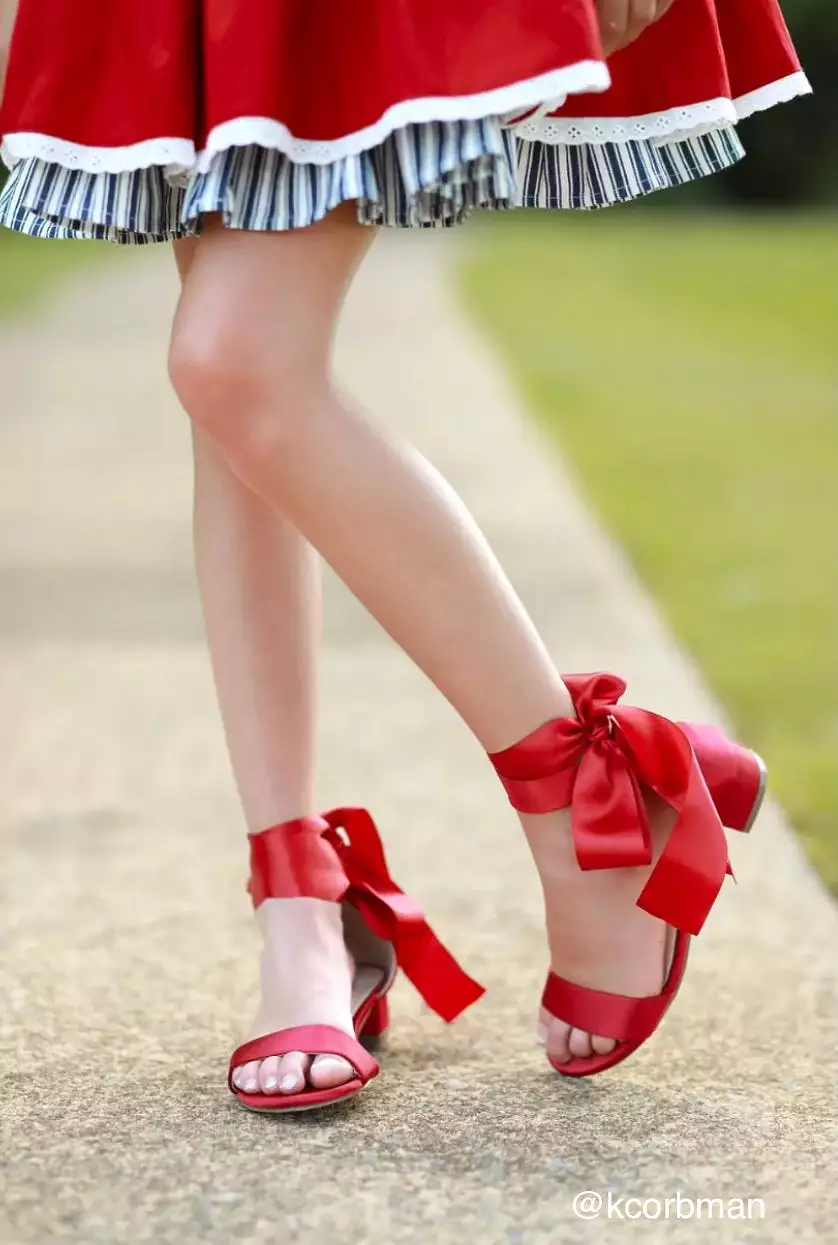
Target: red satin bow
596 764
394 916
339 856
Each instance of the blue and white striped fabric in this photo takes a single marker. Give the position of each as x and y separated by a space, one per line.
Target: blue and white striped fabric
423 176
565 176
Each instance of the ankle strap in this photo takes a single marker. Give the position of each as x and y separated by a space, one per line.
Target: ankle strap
538 773
294 860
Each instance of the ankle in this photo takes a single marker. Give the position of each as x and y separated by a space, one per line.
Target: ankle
553 704
267 810
302 929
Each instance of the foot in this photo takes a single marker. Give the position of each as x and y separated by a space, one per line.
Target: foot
307 976
598 937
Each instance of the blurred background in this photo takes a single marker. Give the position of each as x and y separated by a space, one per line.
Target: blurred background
694 390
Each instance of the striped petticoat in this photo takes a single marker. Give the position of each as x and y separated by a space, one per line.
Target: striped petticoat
425 175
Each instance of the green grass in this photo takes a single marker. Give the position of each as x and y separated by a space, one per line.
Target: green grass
31 267
687 367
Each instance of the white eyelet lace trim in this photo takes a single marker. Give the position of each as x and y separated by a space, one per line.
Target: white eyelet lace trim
671 124
779 92
179 156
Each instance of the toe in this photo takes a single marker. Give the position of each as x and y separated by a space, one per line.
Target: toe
246 1077
329 1070
602 1045
580 1044
558 1049
269 1075
292 1073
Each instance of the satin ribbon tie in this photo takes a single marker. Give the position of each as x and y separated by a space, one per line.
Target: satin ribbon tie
393 916
599 765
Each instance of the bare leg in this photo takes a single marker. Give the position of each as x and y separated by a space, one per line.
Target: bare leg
260 590
251 363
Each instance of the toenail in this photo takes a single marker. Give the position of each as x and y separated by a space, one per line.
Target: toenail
251 1084
288 1082
270 1082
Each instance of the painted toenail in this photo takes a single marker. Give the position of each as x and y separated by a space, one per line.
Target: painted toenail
288 1082
270 1082
251 1084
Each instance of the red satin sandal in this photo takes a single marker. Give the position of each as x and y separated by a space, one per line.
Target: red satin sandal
339 857
598 764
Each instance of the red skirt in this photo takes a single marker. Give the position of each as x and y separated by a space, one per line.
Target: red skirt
173 82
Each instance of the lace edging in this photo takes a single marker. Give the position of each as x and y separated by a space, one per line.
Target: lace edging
672 124
176 155
779 92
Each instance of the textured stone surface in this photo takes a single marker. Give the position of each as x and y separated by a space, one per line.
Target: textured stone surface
127 960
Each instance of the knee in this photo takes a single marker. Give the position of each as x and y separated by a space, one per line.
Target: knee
237 391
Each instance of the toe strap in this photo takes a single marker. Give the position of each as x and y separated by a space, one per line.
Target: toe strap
311 1040
614 1015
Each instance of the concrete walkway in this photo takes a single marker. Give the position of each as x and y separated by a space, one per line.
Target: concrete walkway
127 954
